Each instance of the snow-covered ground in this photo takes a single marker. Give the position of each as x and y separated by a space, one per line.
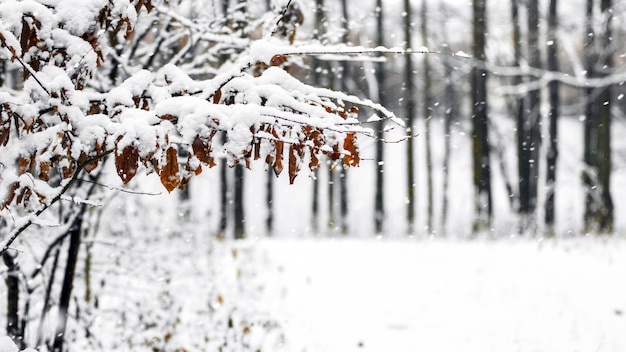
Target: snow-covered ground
402 295
345 294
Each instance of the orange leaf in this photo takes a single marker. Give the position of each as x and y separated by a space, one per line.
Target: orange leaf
217 96
278 161
202 150
14 187
294 163
4 136
23 164
170 177
315 162
44 170
67 170
89 167
127 163
349 145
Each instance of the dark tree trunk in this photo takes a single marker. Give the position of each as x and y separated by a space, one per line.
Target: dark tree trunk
553 93
269 200
410 101
523 155
534 113
239 216
269 184
12 280
598 215
605 102
224 195
68 282
343 172
223 173
379 204
480 131
590 154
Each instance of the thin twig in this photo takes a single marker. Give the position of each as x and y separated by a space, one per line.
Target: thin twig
379 50
32 73
282 15
58 197
113 188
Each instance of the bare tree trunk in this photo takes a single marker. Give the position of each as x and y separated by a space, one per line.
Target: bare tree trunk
224 195
534 113
379 204
331 198
480 126
13 299
523 155
239 216
343 172
223 173
316 68
410 100
428 110
605 100
597 138
553 92
269 184
68 281
269 200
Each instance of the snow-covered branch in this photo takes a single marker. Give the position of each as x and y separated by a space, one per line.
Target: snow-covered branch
70 113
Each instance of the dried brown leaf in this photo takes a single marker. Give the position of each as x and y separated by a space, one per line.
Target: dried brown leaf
127 163
44 170
202 150
294 163
278 160
349 145
170 176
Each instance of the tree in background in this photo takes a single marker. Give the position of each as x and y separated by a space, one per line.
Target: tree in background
410 101
451 104
599 50
555 102
379 200
344 77
480 123
532 120
427 114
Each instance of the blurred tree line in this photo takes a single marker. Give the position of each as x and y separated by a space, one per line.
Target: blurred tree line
526 68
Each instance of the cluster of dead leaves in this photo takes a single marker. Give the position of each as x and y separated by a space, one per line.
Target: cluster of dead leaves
281 146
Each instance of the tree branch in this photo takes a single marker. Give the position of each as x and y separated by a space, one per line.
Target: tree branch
63 190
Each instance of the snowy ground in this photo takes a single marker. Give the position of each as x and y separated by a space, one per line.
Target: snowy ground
511 295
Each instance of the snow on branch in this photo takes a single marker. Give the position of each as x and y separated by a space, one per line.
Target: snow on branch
66 119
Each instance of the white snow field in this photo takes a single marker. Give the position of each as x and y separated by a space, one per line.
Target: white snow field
444 296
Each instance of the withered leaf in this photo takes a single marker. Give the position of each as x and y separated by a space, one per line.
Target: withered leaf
67 170
294 162
170 177
23 164
4 136
349 145
127 163
217 96
202 150
44 170
278 160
